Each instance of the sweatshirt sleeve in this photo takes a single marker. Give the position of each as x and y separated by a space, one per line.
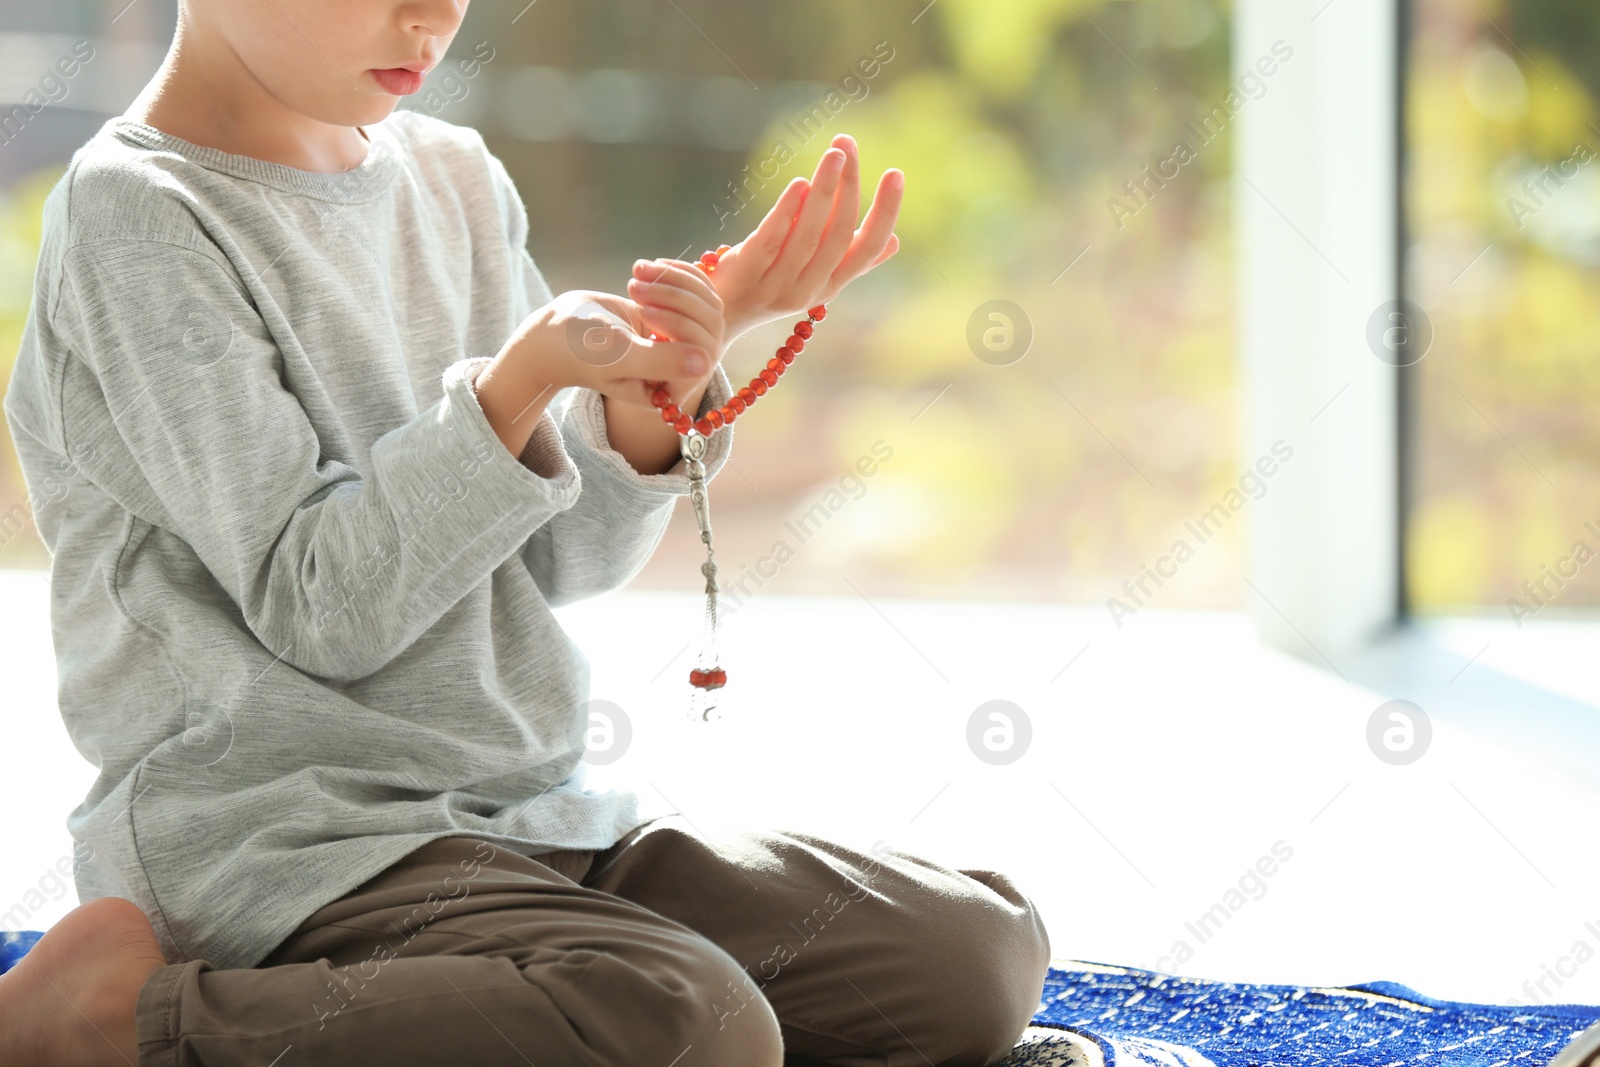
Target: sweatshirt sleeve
611 531
173 378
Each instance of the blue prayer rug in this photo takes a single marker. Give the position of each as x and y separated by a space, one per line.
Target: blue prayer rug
1096 1015
14 944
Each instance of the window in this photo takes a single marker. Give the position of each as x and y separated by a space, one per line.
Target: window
1042 381
1503 212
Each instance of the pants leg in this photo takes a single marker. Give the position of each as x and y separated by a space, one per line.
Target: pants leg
464 953
866 958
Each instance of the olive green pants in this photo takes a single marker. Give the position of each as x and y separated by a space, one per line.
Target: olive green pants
672 948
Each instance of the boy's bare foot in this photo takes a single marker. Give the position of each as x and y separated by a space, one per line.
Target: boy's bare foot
70 1001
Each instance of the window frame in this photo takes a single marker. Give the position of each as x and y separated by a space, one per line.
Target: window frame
1319 226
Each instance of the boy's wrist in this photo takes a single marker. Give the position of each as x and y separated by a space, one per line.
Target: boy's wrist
513 395
740 322
737 320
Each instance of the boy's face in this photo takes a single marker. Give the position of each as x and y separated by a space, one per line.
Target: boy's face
319 56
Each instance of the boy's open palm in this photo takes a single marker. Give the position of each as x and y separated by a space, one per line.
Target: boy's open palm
807 248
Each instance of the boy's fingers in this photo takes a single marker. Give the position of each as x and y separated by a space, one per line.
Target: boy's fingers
682 288
599 340
808 224
645 358
602 329
666 271
846 207
666 294
662 268
841 224
663 360
766 241
619 306
889 250
875 232
679 327
675 272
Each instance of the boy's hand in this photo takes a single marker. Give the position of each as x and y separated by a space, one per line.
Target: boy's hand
615 345
669 306
610 344
807 248
677 302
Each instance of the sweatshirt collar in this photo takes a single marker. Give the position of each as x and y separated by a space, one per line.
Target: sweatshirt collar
360 183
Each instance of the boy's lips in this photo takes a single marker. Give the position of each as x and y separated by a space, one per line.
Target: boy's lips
400 81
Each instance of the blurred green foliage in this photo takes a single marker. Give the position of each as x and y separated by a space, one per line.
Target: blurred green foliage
21 218
1058 476
1503 199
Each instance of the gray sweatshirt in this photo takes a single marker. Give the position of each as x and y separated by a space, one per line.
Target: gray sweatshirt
300 592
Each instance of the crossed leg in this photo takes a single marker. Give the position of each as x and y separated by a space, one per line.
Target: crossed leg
865 957
671 948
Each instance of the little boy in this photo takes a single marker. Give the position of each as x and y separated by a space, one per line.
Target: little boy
332 451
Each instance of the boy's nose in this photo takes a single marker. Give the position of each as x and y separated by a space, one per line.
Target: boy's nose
440 18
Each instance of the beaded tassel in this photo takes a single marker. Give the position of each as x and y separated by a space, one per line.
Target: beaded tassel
695 438
706 677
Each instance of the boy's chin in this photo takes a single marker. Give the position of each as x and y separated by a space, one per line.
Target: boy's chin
375 111
364 111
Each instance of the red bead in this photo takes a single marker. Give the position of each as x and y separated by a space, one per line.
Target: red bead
819 312
714 417
724 249
786 356
704 426
748 394
728 414
770 377
670 413
715 678
709 259
795 344
682 423
758 386
737 404
804 329
775 365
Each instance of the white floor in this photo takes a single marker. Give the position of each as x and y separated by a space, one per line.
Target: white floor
1164 762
